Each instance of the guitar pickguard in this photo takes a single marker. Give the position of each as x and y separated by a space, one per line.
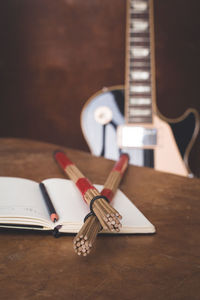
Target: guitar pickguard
101 138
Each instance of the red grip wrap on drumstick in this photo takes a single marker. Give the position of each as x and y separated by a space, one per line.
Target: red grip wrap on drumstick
121 165
62 159
84 185
108 194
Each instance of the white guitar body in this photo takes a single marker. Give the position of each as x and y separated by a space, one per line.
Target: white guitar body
167 156
103 124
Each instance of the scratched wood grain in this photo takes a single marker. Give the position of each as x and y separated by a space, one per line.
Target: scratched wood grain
36 266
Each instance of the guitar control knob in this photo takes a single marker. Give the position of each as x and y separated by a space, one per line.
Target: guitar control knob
103 115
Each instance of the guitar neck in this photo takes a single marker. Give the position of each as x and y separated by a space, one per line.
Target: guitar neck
139 53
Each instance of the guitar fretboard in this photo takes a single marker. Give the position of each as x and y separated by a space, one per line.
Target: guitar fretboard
138 78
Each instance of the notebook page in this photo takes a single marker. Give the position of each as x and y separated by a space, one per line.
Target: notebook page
71 208
133 220
21 198
67 200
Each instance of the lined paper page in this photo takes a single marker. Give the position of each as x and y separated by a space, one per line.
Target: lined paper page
67 200
72 209
21 198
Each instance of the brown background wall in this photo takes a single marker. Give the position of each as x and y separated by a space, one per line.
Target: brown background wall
55 54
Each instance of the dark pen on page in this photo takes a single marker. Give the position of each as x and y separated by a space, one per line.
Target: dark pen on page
52 211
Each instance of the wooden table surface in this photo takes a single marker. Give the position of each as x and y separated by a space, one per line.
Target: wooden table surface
34 265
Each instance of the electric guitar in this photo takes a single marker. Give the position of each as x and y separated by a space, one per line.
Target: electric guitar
126 119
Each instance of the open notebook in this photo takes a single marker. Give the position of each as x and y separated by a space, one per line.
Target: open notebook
22 206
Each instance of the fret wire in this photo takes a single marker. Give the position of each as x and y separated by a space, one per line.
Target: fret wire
139 15
139 39
140 67
140 34
139 96
134 70
141 117
134 63
140 106
139 73
141 59
139 82
140 45
139 120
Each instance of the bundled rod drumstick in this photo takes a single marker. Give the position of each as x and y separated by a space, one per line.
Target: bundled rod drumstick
85 238
106 214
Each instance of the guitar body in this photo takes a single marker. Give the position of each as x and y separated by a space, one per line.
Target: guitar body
102 116
150 139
